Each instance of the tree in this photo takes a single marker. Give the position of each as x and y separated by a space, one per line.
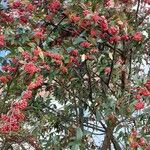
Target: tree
75 71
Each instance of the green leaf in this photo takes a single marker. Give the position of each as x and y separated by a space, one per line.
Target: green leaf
41 53
99 41
94 5
32 44
131 106
146 110
79 134
78 40
111 56
20 49
98 116
69 49
75 147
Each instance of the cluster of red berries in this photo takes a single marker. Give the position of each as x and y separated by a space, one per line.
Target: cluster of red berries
36 84
9 69
10 121
57 58
54 6
137 141
5 79
140 93
2 41
31 68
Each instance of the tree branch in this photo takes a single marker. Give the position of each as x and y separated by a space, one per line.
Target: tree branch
138 7
112 65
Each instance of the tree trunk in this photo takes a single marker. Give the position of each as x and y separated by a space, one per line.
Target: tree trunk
107 140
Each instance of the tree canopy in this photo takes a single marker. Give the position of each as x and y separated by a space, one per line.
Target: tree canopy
76 76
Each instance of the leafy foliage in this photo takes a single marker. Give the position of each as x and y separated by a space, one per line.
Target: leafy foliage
75 72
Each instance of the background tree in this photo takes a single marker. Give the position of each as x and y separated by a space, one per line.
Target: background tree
75 71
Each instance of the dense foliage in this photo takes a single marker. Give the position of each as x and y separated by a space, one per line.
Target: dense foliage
76 76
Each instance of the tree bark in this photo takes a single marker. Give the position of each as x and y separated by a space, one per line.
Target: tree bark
107 140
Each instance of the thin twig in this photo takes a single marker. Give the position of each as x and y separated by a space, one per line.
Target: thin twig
137 11
89 82
112 65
